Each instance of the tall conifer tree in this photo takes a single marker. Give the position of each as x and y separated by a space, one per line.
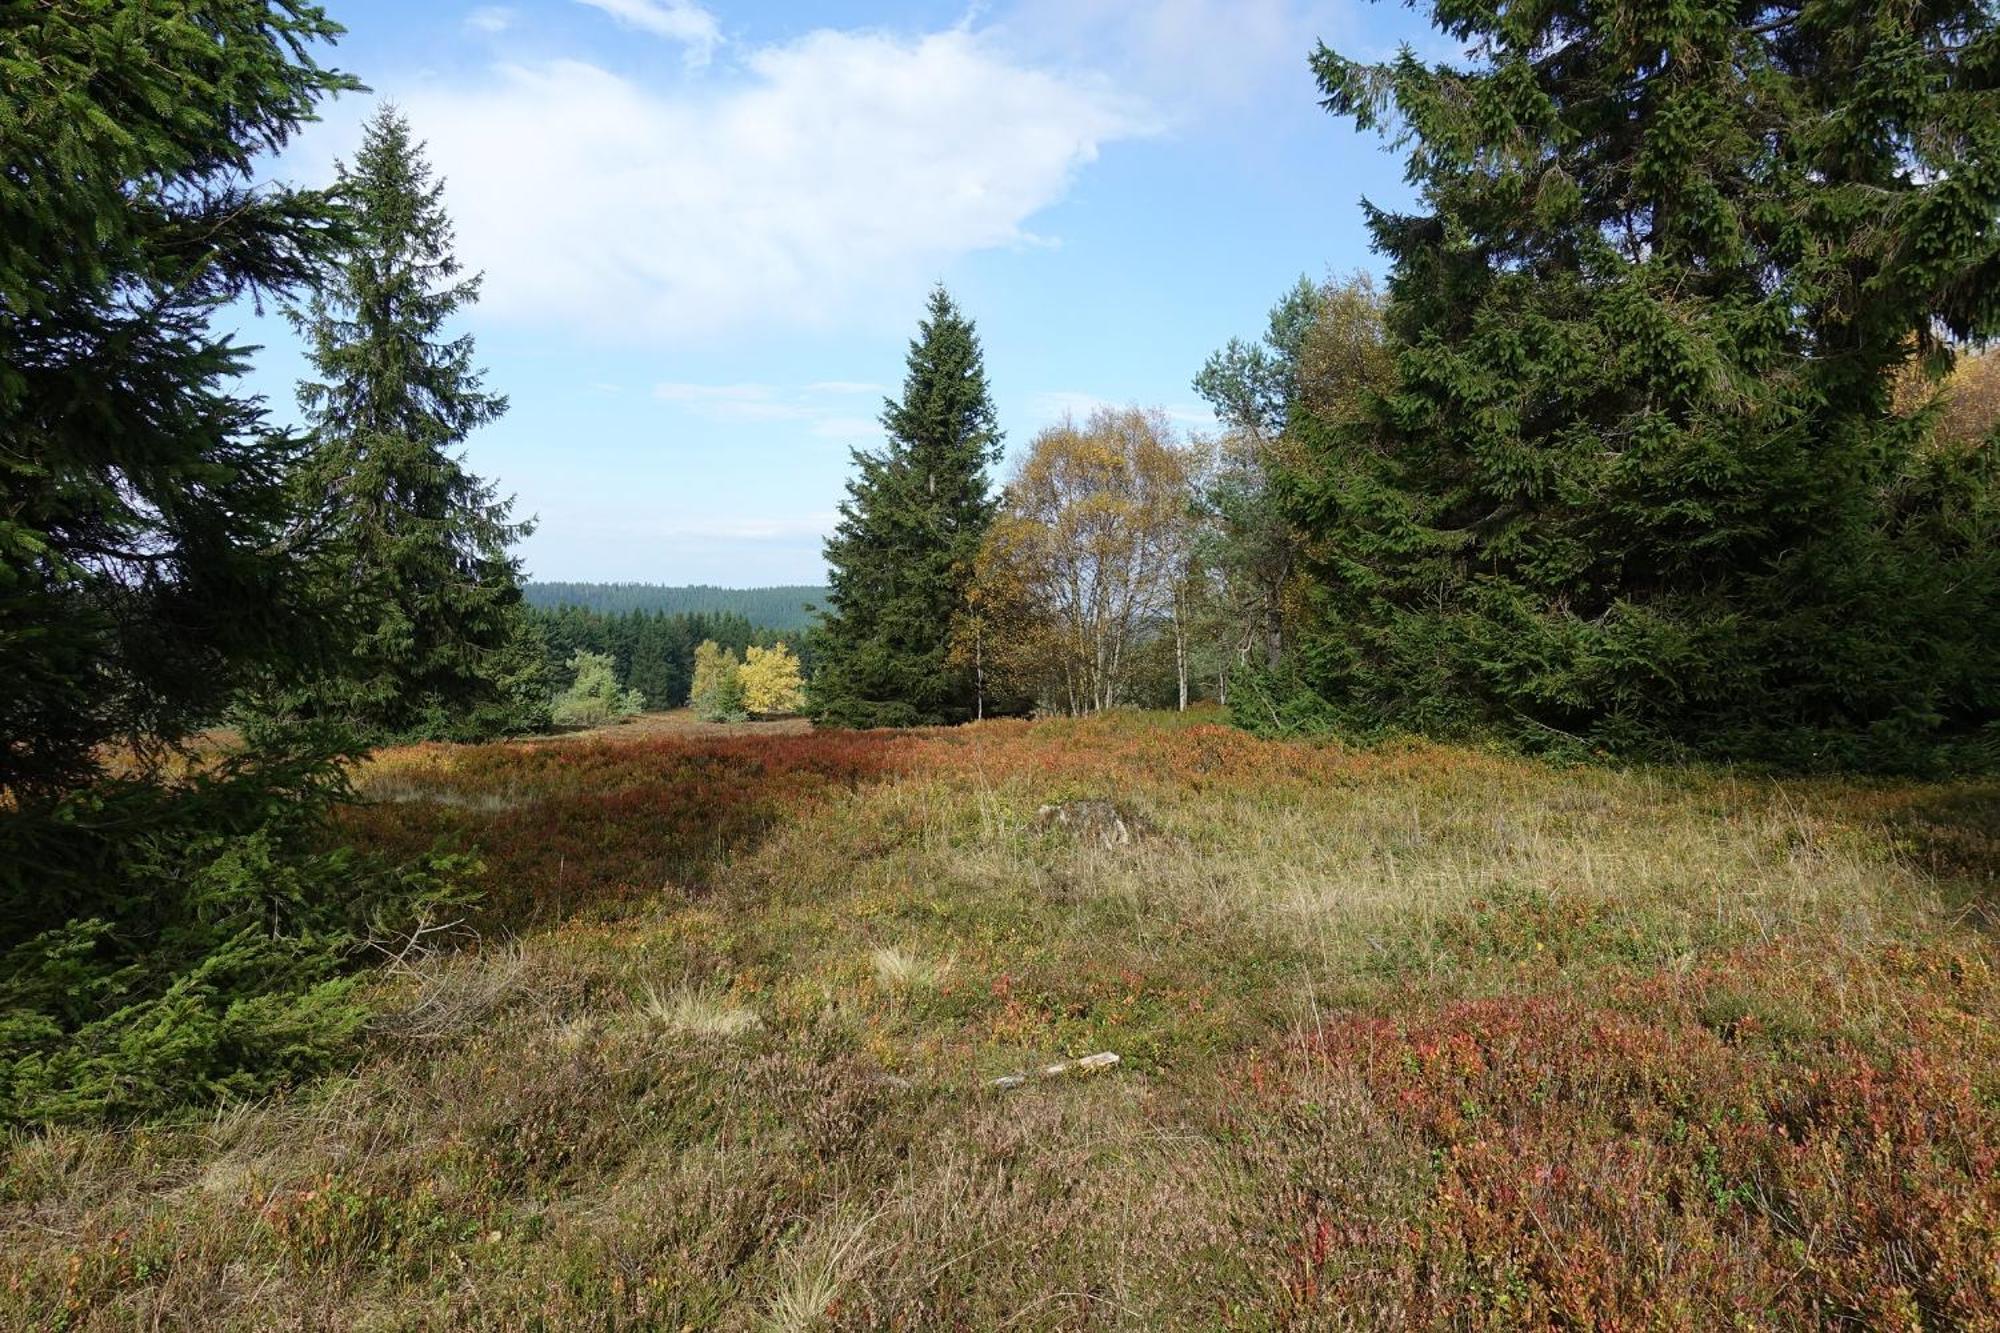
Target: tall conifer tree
419 545
1642 484
176 931
902 558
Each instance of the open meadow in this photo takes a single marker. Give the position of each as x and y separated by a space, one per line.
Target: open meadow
1217 664
1408 1037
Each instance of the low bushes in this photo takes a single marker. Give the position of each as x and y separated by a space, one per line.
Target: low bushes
1735 1146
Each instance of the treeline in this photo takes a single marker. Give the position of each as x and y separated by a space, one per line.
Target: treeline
1668 437
779 608
652 653
1123 563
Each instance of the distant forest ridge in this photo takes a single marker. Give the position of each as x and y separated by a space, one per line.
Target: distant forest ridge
767 608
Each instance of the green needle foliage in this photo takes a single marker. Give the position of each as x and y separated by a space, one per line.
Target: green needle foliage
419 556
901 560
145 571
1640 486
165 935
196 941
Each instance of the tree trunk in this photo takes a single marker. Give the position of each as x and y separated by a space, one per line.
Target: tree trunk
1181 649
978 671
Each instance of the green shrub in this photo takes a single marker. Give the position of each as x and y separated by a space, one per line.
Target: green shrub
165 945
594 698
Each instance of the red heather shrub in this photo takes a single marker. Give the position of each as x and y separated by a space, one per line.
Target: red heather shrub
1653 1155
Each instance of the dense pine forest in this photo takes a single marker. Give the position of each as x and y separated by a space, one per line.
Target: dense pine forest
789 609
1500 830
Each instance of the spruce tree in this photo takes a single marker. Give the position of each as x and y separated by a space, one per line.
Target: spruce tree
167 931
1641 485
419 545
902 557
144 572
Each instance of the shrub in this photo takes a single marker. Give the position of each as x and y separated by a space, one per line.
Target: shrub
1761 1155
772 683
593 697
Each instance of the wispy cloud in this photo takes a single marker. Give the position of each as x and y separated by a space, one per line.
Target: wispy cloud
676 20
490 19
854 430
755 528
822 181
1188 56
825 409
733 547
723 400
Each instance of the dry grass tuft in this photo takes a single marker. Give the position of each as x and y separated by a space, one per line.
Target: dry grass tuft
902 972
451 995
688 1011
813 1274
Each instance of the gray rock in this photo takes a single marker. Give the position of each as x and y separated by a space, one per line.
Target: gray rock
1098 821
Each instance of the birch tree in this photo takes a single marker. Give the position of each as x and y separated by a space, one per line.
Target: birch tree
1094 535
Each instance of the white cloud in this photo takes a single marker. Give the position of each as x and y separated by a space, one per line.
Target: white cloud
1185 54
490 19
854 430
723 400
735 547
826 408
754 528
676 20
834 177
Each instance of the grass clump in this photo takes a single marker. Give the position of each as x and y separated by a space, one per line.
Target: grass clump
901 972
691 1012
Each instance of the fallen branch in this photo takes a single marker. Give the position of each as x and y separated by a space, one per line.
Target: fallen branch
1089 1063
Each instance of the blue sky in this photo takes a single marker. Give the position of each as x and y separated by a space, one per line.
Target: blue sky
707 229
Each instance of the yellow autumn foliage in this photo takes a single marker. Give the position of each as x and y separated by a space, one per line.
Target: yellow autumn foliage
772 683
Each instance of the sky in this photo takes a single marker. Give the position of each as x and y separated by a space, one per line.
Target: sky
707 228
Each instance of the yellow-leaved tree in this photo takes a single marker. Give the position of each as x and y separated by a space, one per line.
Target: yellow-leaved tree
1970 412
717 692
1085 561
772 683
